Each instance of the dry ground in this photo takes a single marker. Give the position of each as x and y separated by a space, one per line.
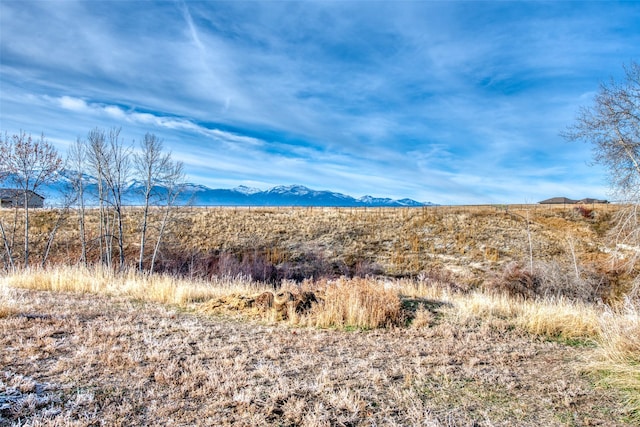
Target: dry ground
87 359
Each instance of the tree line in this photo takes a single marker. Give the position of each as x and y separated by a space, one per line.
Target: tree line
110 163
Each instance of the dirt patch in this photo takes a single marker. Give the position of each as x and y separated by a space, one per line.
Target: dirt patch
279 305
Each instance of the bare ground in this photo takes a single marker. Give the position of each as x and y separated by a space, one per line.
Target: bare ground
72 359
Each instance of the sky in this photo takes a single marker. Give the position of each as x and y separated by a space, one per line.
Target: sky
447 102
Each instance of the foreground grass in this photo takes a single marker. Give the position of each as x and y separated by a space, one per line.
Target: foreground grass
99 348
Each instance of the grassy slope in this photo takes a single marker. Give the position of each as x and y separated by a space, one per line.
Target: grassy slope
467 241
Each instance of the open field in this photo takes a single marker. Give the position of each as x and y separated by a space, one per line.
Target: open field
453 329
282 243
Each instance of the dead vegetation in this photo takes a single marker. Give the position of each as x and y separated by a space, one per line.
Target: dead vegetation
275 244
500 301
88 359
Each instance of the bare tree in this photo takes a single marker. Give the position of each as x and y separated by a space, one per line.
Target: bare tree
30 163
109 161
154 168
117 175
77 161
97 157
612 126
8 255
174 185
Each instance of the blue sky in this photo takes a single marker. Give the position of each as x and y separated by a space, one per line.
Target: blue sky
449 102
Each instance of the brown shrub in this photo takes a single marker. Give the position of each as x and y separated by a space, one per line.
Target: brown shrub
516 280
552 280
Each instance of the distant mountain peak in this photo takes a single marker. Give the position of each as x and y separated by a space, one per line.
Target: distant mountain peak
291 189
242 195
246 190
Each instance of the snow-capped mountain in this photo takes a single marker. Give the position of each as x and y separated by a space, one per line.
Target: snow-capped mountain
200 195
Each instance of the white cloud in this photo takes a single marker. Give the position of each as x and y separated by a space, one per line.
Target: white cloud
73 104
419 99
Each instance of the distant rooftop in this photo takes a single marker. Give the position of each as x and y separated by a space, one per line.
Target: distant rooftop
567 201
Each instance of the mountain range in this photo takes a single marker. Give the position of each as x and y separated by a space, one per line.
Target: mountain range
290 195
200 195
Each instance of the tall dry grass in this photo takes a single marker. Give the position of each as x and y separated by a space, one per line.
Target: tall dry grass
356 303
157 288
546 317
617 359
298 243
8 305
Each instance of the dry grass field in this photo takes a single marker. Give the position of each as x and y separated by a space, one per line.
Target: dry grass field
412 317
277 243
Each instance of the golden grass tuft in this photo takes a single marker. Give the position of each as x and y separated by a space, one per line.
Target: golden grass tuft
546 317
7 303
342 303
554 317
356 303
617 358
422 318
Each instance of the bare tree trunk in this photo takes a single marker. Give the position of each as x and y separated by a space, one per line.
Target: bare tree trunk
174 182
154 168
143 234
14 227
83 236
7 248
26 230
52 235
108 240
78 161
121 236
163 224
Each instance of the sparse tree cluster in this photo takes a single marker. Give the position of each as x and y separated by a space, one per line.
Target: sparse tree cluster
104 164
29 163
161 178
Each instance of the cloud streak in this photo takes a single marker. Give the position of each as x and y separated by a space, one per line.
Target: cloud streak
447 102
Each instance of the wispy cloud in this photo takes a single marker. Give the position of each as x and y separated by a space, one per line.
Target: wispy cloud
441 101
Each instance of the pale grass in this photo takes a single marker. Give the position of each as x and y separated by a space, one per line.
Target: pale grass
547 317
422 318
616 332
357 303
344 303
556 317
156 288
374 303
618 356
8 305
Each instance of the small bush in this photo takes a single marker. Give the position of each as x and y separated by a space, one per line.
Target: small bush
584 212
552 280
516 280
